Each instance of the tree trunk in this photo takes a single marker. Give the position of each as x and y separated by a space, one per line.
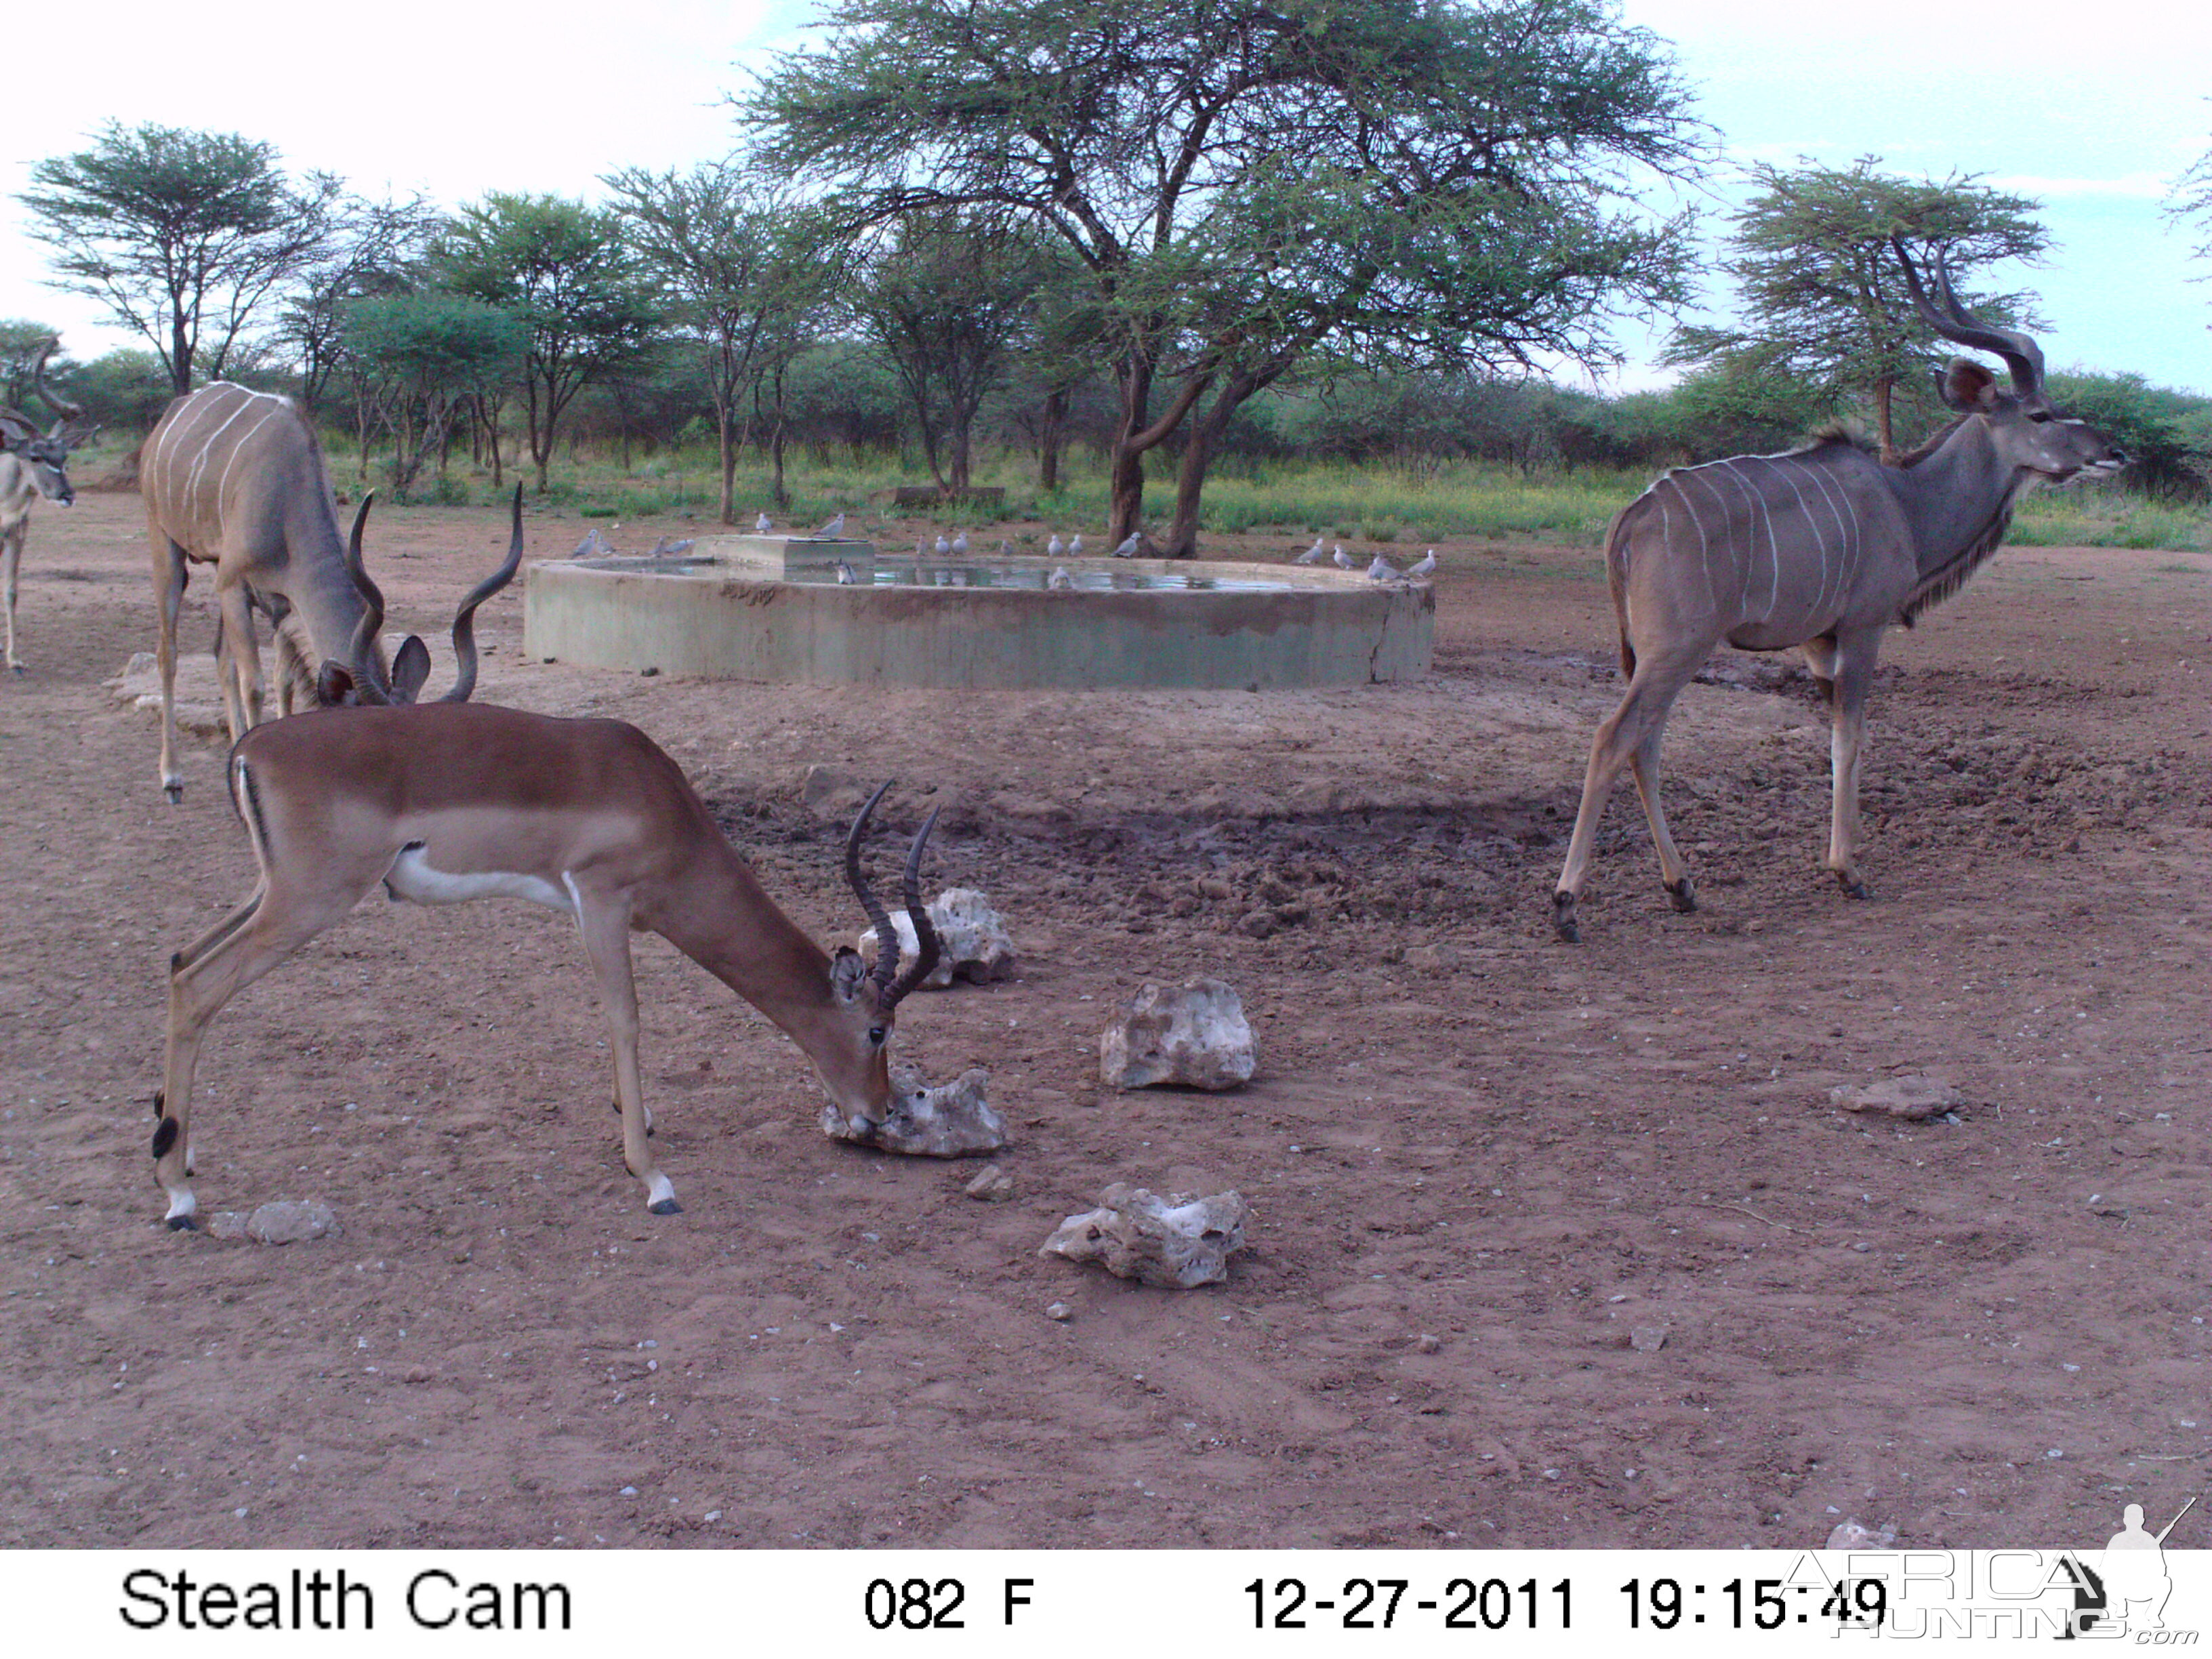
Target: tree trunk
726 454
180 355
1205 433
962 422
1882 389
1049 433
778 493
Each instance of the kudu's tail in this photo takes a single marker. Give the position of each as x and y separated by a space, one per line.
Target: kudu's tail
1616 579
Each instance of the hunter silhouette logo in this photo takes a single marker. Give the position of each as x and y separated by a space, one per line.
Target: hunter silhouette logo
2133 1575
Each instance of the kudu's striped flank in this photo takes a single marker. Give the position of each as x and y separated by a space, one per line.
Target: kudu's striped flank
235 478
1820 549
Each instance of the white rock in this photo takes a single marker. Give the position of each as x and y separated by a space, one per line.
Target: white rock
289 1221
1913 1096
971 938
1194 1035
198 692
951 1121
1852 1534
1175 1243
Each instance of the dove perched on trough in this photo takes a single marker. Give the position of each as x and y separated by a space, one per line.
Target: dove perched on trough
1312 554
593 546
831 531
1128 549
1075 546
1056 548
666 549
1344 560
960 544
942 547
845 576
1059 578
1427 567
761 525
1383 571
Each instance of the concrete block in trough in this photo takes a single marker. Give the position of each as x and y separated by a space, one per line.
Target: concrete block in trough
1195 1034
971 936
1175 1243
953 1119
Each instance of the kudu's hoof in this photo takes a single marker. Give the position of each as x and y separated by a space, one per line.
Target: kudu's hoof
1562 918
175 791
1683 895
666 1207
183 1223
1853 887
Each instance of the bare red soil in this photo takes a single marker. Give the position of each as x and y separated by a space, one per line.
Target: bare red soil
1478 1159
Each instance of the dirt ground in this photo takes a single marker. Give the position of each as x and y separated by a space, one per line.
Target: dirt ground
1478 1159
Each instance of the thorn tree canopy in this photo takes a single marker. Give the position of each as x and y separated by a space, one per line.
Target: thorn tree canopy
1248 183
1824 297
183 235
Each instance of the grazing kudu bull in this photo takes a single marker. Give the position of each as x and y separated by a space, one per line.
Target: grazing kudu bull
235 478
1822 548
32 464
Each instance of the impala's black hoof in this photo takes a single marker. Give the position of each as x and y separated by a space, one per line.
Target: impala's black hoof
666 1207
175 791
183 1223
1683 895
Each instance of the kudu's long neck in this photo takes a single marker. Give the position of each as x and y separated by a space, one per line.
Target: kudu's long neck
1958 500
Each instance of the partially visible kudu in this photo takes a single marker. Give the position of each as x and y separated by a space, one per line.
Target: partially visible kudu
1820 549
33 464
235 478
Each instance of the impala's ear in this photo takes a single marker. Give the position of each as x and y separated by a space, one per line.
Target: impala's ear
848 971
1968 387
333 686
409 668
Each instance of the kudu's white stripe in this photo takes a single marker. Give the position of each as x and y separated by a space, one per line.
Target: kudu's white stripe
200 461
238 449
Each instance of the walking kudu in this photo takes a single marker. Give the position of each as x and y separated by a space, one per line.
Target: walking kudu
235 478
32 464
1822 548
461 801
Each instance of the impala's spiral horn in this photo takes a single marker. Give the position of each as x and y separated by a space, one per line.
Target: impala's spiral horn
891 985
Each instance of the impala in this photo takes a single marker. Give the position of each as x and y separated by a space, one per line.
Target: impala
444 802
235 478
33 464
1821 549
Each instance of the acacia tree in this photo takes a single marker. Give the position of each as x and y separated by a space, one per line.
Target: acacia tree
1824 297
183 236
562 271
945 299
375 249
417 358
1245 182
712 241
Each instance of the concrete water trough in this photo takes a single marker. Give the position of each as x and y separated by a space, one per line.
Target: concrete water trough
768 608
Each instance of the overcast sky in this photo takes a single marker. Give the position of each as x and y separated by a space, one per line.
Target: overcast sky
2092 110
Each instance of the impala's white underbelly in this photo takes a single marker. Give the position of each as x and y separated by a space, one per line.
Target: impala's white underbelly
411 877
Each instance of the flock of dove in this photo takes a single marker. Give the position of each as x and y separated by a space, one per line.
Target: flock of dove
594 545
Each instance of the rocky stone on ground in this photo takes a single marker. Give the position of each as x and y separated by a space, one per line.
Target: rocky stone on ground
1194 1035
1175 1243
1913 1096
992 1185
953 1119
972 940
199 694
1854 1534
286 1221
829 792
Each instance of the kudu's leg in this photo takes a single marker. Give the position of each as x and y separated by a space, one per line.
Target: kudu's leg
605 928
1643 763
169 574
1851 665
278 920
11 558
1658 679
239 661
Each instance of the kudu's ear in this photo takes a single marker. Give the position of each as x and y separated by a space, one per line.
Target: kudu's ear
410 666
333 686
848 971
1968 387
